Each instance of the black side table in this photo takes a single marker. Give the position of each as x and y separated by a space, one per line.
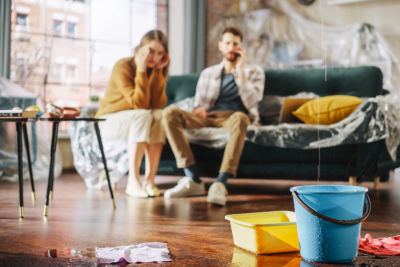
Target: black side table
54 136
21 130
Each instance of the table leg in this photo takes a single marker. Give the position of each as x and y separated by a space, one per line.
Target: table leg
50 181
96 127
20 170
53 152
28 156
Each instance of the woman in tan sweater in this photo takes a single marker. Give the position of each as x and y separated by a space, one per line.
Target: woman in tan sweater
132 107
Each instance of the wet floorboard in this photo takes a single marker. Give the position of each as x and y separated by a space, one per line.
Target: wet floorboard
196 233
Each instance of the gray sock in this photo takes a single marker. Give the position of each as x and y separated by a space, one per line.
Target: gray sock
191 172
223 177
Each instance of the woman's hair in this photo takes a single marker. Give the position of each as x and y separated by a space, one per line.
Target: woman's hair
155 35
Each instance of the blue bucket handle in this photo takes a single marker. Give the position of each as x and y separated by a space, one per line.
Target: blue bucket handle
366 212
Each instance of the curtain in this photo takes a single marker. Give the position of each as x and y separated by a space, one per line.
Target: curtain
5 29
194 36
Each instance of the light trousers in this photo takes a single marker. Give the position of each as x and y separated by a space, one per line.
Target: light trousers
134 125
175 120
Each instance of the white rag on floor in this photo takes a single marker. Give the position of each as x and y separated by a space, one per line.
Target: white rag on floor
144 252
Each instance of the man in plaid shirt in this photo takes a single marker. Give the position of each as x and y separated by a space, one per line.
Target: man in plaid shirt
227 96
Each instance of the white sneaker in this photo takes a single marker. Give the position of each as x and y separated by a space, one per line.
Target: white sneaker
217 194
186 187
136 192
152 190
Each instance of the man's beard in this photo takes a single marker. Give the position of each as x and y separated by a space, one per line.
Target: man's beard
231 56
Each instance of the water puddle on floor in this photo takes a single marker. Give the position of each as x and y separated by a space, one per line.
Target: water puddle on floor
76 257
88 253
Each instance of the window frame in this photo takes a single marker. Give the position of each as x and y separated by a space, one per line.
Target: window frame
25 20
57 29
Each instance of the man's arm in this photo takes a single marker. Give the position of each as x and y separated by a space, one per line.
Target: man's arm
251 85
251 88
205 94
250 80
241 78
199 97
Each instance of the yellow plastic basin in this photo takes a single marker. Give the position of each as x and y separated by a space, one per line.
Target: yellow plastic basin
265 232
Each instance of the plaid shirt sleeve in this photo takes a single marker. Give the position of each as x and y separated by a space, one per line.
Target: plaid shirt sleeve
208 88
252 91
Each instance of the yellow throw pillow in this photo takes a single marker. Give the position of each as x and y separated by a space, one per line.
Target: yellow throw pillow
331 109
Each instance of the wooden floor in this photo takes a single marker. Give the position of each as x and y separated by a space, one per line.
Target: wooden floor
197 234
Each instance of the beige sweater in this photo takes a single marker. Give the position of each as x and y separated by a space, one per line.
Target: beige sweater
128 89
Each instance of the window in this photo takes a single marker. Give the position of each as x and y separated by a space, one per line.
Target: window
22 19
56 71
71 29
57 27
76 68
71 73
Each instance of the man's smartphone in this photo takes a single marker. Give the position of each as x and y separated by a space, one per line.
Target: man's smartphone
237 55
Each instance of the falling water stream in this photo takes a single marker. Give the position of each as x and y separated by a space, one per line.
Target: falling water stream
323 40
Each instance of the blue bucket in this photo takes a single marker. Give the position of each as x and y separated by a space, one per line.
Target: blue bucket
329 220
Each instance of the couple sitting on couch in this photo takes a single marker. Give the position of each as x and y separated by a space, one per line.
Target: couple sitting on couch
227 96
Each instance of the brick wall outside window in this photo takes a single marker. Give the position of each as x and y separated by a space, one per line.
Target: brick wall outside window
162 15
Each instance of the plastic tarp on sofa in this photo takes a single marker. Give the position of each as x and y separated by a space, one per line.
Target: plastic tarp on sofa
375 119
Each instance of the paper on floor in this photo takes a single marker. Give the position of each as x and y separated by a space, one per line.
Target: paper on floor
144 252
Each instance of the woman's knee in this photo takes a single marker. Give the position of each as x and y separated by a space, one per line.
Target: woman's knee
157 113
144 113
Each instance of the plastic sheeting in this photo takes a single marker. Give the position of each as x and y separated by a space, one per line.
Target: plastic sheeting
390 107
87 155
280 38
375 119
366 124
12 95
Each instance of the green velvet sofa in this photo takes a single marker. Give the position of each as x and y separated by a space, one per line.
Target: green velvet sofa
355 162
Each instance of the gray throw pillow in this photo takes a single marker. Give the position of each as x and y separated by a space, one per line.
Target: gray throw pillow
270 109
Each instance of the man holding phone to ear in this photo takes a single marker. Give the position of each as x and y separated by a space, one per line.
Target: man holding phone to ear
227 96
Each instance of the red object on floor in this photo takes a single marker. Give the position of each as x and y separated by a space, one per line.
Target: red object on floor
380 246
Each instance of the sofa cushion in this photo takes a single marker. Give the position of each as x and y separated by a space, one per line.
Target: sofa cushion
269 109
328 109
181 86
